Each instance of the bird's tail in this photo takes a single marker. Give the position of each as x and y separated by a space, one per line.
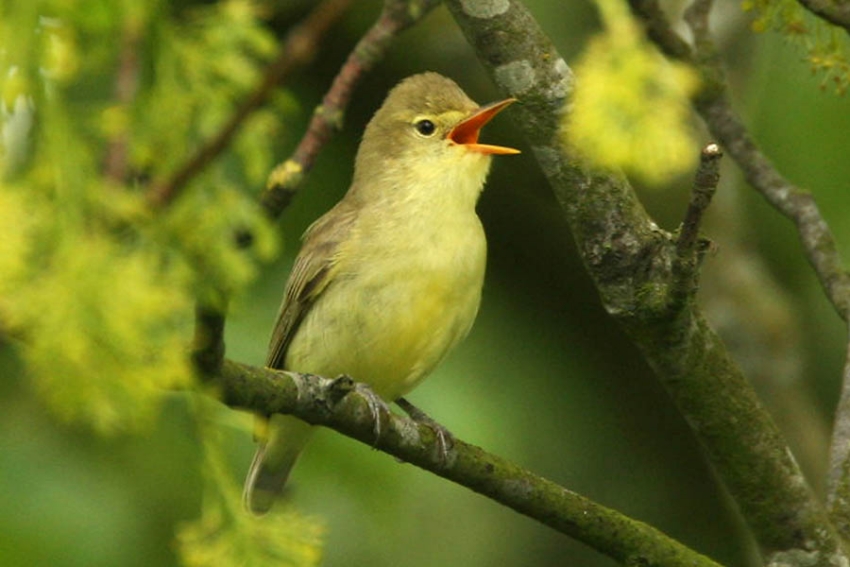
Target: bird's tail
281 440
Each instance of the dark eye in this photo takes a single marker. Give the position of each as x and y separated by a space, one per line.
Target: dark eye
425 127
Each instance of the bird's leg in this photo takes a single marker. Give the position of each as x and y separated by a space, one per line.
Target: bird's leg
445 439
344 384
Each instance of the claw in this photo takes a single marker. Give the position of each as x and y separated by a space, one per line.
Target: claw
343 385
445 439
376 406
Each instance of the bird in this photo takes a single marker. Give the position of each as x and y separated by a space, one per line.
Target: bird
389 280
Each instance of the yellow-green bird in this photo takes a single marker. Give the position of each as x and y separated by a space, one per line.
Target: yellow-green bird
389 280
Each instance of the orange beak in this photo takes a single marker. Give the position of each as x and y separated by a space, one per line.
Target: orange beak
466 132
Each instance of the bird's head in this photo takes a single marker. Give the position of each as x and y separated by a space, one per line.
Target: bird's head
427 127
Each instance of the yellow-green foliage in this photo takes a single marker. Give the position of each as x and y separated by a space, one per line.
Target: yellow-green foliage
205 66
15 243
630 107
105 330
826 45
226 535
96 288
207 238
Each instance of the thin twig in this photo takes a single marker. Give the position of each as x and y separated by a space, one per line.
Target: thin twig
298 49
705 184
208 341
797 204
284 181
659 30
126 86
687 261
312 398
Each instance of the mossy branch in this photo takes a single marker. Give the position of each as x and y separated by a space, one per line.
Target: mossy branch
630 260
341 406
690 248
793 202
838 499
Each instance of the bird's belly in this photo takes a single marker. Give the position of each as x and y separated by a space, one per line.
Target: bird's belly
392 326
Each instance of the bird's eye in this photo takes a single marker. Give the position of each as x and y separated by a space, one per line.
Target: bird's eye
425 127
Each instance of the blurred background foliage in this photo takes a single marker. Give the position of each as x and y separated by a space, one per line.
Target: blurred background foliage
545 378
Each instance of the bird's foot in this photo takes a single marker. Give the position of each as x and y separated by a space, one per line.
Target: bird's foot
445 439
378 408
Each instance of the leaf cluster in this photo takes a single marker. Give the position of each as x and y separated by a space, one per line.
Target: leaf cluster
825 46
630 108
95 287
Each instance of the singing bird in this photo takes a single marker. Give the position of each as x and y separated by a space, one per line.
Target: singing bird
389 280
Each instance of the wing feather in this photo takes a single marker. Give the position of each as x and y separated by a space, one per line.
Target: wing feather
313 271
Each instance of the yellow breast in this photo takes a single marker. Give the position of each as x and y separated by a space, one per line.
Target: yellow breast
391 324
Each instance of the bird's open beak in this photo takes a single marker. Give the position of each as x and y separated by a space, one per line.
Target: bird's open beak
466 132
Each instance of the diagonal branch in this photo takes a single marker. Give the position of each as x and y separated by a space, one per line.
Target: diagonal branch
629 259
284 181
836 12
298 49
126 85
795 203
340 405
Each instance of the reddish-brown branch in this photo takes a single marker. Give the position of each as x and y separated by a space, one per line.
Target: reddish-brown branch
396 16
126 86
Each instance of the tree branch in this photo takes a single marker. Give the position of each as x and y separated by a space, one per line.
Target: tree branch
713 105
836 12
208 340
796 204
793 202
298 49
838 485
286 178
126 85
629 258
689 247
338 404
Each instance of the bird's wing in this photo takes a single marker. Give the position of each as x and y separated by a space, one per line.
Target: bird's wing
310 276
